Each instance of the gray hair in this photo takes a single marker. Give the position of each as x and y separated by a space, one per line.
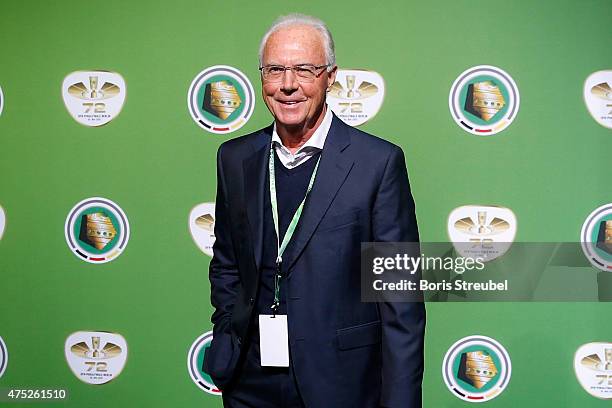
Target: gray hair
297 19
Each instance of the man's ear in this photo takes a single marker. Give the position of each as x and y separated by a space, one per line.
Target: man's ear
331 76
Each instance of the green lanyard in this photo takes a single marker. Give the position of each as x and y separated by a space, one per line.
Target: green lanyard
281 245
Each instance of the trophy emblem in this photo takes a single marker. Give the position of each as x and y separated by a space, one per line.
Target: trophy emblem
94 98
484 99
96 357
221 99
598 97
356 96
593 368
477 368
202 226
97 230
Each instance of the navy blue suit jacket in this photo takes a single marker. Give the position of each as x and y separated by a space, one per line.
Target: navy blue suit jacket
344 352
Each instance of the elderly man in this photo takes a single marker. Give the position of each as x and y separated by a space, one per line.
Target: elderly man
294 202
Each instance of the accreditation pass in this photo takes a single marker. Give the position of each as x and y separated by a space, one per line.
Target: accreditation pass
273 340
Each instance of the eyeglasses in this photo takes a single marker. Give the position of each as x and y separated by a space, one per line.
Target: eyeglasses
303 72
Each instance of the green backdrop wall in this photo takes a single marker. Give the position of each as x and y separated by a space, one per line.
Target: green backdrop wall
551 167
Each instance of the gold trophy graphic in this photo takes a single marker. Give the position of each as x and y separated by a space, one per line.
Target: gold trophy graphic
81 91
484 100
477 368
207 223
110 350
97 230
594 362
95 343
350 84
93 85
482 229
365 89
221 99
602 91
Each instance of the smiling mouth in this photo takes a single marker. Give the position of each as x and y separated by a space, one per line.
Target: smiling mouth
290 102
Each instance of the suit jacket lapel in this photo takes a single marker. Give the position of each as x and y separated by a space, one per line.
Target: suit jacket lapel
255 169
334 167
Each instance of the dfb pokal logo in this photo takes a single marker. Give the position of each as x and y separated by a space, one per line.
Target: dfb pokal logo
97 230
598 97
593 367
221 99
484 100
356 96
202 226
195 364
96 357
479 231
596 238
476 369
94 98
3 357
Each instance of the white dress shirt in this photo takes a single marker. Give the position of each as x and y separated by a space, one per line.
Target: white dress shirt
308 149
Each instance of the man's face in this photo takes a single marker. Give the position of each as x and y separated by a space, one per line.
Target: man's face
293 103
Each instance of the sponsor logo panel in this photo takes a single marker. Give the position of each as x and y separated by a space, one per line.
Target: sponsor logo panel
484 100
202 226
598 97
97 230
593 368
476 369
356 96
96 357
94 98
221 99
480 231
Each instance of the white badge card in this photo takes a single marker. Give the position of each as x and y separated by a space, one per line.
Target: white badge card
274 341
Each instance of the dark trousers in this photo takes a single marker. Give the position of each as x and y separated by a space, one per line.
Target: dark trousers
262 387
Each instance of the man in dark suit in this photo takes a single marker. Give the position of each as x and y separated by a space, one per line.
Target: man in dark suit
294 202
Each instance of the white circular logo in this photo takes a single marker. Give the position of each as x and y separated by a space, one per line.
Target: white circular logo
221 99
598 97
484 100
96 357
3 357
202 226
356 96
195 363
94 98
596 238
593 367
476 369
97 230
479 231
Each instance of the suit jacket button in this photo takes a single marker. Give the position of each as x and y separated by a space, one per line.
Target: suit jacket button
252 300
239 340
